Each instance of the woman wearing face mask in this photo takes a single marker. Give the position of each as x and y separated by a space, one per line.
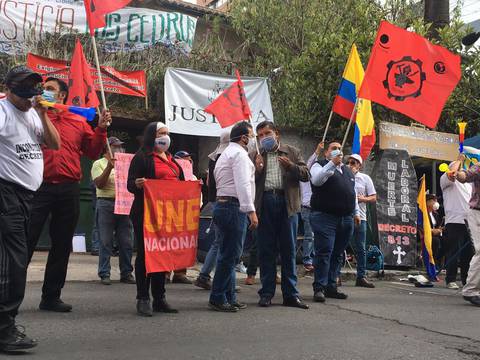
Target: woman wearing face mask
436 222
152 161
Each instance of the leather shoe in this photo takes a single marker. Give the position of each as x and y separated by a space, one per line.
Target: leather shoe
319 296
363 282
129 279
203 283
474 300
265 302
335 294
144 308
239 305
222 307
161 305
55 305
295 302
14 339
180 279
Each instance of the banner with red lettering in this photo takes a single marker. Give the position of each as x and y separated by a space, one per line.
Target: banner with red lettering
133 83
123 198
170 227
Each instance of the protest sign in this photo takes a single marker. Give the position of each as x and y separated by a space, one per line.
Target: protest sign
123 198
188 92
127 29
396 207
419 142
171 220
131 83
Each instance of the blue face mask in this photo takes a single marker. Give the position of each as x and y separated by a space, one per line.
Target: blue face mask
49 95
268 143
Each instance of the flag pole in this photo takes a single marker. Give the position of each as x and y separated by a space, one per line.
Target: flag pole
254 133
349 124
328 125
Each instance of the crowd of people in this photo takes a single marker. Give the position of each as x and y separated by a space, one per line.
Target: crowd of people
258 183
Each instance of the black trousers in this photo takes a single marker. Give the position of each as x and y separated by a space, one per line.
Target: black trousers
62 202
155 280
253 256
15 204
455 237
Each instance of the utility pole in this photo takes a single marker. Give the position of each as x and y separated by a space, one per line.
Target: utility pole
437 12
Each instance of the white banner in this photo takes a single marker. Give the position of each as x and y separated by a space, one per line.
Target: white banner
188 92
22 23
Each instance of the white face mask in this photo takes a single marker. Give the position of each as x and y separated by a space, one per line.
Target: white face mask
162 143
436 206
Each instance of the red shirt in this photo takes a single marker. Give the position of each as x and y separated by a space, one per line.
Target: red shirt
165 169
78 138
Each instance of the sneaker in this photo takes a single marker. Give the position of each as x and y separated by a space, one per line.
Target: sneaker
144 308
250 280
239 305
363 282
180 279
452 285
106 280
14 339
222 307
203 283
241 268
129 279
161 305
55 305
335 294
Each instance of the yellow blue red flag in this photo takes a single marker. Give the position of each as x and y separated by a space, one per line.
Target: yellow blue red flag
424 225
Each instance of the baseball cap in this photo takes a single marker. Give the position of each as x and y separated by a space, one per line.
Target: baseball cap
113 141
19 73
356 157
182 154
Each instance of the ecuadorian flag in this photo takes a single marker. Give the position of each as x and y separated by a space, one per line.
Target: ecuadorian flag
424 224
344 105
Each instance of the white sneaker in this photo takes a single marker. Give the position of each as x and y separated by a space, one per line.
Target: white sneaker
241 268
452 285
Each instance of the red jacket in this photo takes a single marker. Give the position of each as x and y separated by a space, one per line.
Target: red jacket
78 138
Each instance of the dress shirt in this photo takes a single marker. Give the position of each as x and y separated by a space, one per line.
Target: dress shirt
235 176
273 177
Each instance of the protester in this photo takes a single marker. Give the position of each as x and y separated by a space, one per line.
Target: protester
152 161
279 169
111 225
22 130
95 235
436 224
204 280
334 211
235 179
457 242
366 194
471 290
59 195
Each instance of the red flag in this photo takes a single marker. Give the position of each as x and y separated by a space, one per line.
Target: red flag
81 90
97 9
409 74
231 106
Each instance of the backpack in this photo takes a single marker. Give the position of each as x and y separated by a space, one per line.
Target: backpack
375 259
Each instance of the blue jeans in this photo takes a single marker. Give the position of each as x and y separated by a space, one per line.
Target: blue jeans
332 234
308 252
359 240
110 225
95 233
232 226
211 258
277 232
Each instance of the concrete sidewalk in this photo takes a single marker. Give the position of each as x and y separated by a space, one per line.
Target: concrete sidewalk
83 267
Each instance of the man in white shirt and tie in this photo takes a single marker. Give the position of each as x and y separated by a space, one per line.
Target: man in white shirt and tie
235 178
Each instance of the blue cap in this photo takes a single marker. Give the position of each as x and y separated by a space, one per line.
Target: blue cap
182 154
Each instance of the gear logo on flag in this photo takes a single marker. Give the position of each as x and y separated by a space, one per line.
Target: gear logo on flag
404 78
217 90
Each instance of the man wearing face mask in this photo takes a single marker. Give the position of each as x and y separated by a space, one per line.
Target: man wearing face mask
109 223
366 194
436 224
235 179
22 131
59 195
334 210
279 170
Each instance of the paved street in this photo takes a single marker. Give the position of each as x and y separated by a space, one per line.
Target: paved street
393 321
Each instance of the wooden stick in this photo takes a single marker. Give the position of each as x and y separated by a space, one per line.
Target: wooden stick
99 73
349 124
326 128
254 133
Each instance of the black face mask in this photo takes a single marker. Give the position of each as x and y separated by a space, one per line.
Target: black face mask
27 92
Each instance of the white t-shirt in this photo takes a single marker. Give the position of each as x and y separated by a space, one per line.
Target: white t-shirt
456 197
21 157
364 187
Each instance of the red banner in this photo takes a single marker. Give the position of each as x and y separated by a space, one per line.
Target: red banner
123 198
133 83
170 227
